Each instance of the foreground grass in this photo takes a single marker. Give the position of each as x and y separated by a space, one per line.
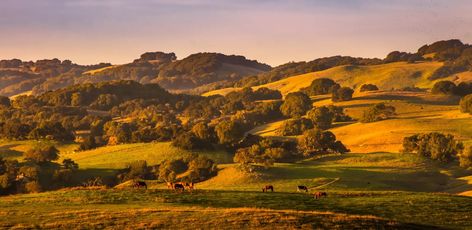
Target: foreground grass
214 208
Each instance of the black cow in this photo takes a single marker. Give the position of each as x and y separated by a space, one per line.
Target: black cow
302 188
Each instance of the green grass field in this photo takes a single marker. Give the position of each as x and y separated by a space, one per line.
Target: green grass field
117 208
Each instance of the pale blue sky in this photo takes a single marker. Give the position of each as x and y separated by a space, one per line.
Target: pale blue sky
274 32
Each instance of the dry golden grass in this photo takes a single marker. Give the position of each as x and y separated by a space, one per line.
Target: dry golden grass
385 76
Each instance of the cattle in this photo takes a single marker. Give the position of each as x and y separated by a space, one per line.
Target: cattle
140 184
267 188
317 195
178 186
189 186
302 188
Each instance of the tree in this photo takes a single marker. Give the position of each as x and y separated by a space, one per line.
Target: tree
41 153
229 132
189 141
377 112
295 104
295 126
368 87
70 164
169 169
436 146
322 117
316 141
342 94
253 155
203 131
466 104
444 87
320 86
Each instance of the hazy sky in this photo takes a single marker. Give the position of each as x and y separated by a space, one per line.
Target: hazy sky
275 32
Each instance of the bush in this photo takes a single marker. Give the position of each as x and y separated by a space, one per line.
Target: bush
436 146
322 117
342 94
466 104
377 112
295 105
368 87
316 141
294 127
41 153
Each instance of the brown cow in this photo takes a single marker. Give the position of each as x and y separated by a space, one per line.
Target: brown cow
320 194
140 184
267 188
189 186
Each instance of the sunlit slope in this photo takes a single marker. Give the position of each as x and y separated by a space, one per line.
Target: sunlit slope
118 156
416 113
349 172
386 76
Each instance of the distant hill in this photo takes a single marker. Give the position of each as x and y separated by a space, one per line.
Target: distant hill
203 72
196 73
396 75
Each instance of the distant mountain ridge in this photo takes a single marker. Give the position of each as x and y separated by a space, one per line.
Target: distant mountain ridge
203 72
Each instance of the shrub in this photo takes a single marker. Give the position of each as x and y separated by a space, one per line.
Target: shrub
294 127
466 104
377 112
316 141
342 94
295 104
322 117
368 87
436 146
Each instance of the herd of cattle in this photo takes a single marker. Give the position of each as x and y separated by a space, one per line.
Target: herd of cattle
181 186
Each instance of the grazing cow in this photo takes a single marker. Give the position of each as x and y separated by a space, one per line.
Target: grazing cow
267 188
179 187
140 184
189 186
320 194
302 188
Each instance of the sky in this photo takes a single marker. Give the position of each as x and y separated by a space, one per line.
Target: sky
271 31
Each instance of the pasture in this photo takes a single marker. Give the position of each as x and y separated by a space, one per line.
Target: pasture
158 208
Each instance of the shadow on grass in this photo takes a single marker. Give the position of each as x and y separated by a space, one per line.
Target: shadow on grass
7 152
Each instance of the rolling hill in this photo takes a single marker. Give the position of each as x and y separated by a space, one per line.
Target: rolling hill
395 75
